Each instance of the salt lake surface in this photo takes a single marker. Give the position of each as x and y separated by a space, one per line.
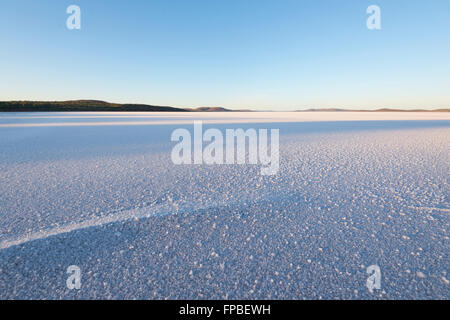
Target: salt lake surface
99 191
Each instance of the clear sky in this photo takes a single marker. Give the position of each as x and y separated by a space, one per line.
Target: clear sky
259 54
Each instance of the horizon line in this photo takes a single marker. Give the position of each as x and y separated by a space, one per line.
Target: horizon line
105 103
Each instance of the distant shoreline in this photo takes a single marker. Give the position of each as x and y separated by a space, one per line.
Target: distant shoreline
376 110
102 106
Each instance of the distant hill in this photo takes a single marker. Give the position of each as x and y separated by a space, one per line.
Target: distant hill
211 109
102 106
79 105
94 105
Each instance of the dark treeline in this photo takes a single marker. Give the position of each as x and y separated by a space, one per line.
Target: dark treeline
79 105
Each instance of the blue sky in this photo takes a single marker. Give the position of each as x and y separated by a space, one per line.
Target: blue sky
259 54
